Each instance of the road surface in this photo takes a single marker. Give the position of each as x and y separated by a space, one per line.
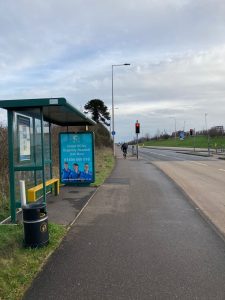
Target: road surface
202 178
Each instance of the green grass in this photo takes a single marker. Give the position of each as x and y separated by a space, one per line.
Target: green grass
104 163
4 213
19 266
199 142
4 199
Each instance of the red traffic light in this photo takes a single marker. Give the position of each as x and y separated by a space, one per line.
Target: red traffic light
137 127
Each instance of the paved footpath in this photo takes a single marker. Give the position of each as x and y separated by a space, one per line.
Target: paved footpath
138 238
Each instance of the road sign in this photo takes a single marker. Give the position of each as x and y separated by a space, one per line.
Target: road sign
113 132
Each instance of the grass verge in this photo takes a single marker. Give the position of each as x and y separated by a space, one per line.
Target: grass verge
104 163
199 142
4 213
19 266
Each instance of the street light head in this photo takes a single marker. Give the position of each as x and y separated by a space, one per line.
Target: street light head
120 65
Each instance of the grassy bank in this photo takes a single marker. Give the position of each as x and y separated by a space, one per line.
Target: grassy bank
18 266
104 163
199 141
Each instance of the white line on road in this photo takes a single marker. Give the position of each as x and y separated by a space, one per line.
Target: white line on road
157 153
222 170
198 163
160 154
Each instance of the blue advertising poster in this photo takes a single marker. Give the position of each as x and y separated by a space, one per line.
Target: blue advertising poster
77 158
181 135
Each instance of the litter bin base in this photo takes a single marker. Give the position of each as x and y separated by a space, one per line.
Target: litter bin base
39 245
36 234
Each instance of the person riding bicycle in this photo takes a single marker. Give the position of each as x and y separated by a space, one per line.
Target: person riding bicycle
124 148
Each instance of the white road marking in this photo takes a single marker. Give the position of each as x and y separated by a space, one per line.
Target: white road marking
222 170
160 154
198 163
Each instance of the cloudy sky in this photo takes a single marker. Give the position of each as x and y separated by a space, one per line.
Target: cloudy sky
66 48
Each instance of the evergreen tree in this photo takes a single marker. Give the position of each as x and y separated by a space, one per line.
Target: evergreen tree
98 110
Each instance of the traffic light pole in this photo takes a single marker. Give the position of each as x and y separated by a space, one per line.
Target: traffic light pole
137 130
137 146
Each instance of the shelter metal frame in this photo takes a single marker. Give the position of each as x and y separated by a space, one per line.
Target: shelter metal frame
39 115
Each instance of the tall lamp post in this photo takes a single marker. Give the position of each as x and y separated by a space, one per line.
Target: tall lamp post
175 127
111 119
113 127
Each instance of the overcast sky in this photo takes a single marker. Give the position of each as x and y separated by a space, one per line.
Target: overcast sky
66 48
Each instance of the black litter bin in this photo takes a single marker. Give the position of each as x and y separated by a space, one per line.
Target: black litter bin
35 221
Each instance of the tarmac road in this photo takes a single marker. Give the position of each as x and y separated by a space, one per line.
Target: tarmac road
138 238
202 178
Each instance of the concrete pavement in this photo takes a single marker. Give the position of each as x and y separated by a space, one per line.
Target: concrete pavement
138 238
64 208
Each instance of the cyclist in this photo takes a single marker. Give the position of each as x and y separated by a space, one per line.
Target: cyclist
124 149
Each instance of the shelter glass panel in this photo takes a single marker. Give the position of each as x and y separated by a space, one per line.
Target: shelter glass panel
38 155
47 171
47 147
39 177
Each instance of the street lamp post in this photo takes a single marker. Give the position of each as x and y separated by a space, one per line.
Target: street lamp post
175 124
113 127
111 118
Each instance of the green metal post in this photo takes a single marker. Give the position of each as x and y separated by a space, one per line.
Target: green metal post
43 155
34 150
11 166
50 148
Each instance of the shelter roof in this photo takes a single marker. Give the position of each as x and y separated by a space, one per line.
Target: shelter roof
55 110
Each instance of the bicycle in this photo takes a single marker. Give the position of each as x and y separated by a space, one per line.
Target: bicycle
124 154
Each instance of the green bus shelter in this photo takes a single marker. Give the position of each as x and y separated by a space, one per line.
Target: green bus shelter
29 140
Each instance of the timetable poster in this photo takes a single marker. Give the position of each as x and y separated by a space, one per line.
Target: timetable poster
24 138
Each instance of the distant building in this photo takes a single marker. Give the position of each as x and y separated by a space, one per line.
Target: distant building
218 129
